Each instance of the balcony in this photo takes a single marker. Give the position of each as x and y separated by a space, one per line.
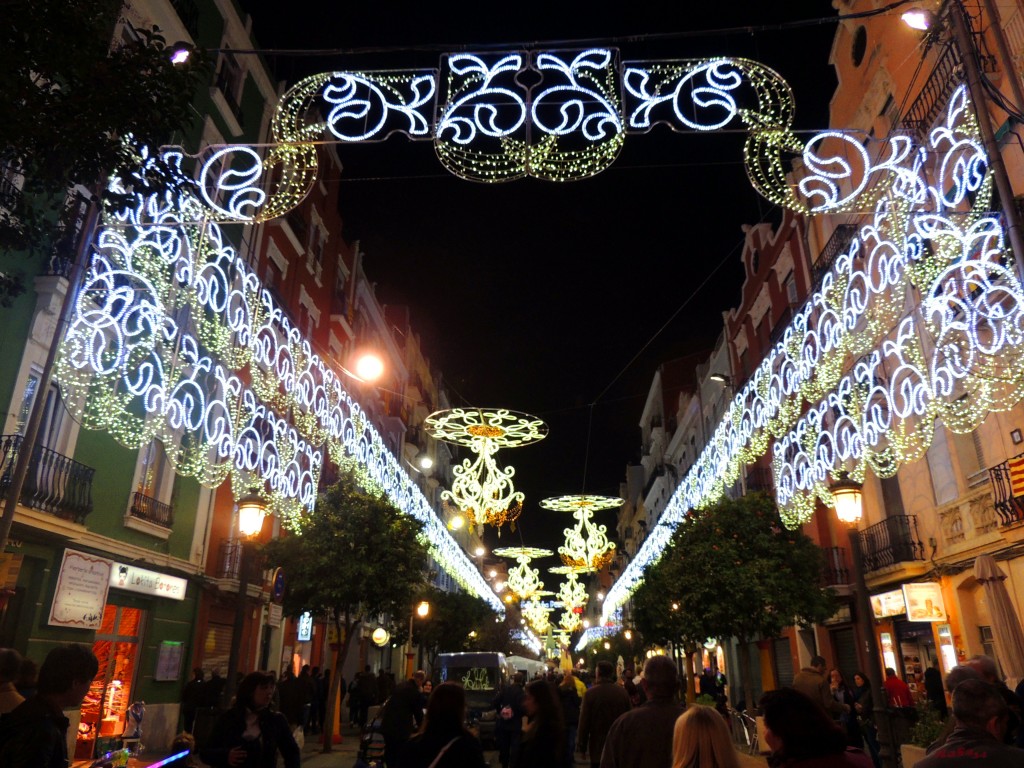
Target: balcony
152 511
229 559
836 574
10 195
934 96
893 541
54 484
1008 489
839 242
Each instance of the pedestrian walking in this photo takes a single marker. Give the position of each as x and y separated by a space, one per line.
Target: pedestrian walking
863 709
308 687
811 682
602 704
801 734
34 734
701 739
367 685
642 738
443 741
10 663
192 698
249 734
934 691
508 726
291 698
569 697
842 693
404 708
544 735
980 716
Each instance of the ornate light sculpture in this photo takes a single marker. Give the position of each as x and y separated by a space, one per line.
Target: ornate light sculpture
523 581
572 593
570 621
586 545
482 490
536 613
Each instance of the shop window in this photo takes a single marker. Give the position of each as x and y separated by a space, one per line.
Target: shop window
105 708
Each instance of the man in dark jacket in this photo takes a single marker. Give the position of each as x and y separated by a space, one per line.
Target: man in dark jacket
981 715
34 734
642 738
508 725
813 684
404 707
366 683
601 706
191 698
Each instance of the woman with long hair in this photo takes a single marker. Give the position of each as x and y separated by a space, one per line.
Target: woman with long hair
701 739
863 710
800 732
544 736
569 697
842 693
443 741
249 735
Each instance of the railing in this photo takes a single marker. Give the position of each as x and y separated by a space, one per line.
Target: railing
229 561
837 243
836 573
10 195
188 12
934 96
152 511
1008 503
54 483
760 480
894 540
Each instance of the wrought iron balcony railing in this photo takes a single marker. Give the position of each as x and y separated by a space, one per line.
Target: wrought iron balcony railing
836 572
1008 496
54 483
152 511
229 562
934 96
837 243
894 540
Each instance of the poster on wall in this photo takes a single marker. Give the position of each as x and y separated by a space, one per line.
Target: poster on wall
81 591
168 660
924 601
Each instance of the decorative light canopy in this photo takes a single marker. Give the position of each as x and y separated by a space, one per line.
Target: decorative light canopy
523 581
571 593
586 545
570 621
481 490
536 613
920 318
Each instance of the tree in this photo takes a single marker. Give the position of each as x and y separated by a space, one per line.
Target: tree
733 570
72 94
357 556
453 615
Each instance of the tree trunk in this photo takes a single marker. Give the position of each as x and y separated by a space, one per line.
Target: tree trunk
344 632
745 677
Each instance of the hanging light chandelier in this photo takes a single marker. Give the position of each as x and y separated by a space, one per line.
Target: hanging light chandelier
570 621
586 545
572 593
536 613
523 581
482 491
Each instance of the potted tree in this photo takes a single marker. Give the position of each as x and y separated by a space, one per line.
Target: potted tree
926 730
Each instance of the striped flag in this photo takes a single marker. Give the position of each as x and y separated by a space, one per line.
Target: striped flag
1016 476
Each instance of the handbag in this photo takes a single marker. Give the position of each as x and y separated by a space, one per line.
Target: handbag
440 754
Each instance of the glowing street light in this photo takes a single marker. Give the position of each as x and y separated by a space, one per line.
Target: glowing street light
369 367
919 19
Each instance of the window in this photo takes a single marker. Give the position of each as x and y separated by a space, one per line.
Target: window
892 498
860 45
53 416
988 644
231 80
789 285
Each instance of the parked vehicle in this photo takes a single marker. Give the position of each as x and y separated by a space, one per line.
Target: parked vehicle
481 674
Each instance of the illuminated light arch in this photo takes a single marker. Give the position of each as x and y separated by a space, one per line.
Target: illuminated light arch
586 545
523 581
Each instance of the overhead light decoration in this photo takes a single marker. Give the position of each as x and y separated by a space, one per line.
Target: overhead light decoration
571 593
925 301
481 490
570 621
586 545
173 338
536 613
523 581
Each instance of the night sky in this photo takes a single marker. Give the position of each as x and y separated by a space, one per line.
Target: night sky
549 298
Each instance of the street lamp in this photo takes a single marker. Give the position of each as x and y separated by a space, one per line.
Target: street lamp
422 610
251 514
849 506
368 367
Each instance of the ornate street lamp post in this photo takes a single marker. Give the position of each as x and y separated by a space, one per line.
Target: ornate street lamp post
251 514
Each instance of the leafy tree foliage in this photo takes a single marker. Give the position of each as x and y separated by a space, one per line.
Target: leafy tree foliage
357 556
453 615
733 570
71 95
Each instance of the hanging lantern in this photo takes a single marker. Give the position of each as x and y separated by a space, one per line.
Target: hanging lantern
572 593
481 490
